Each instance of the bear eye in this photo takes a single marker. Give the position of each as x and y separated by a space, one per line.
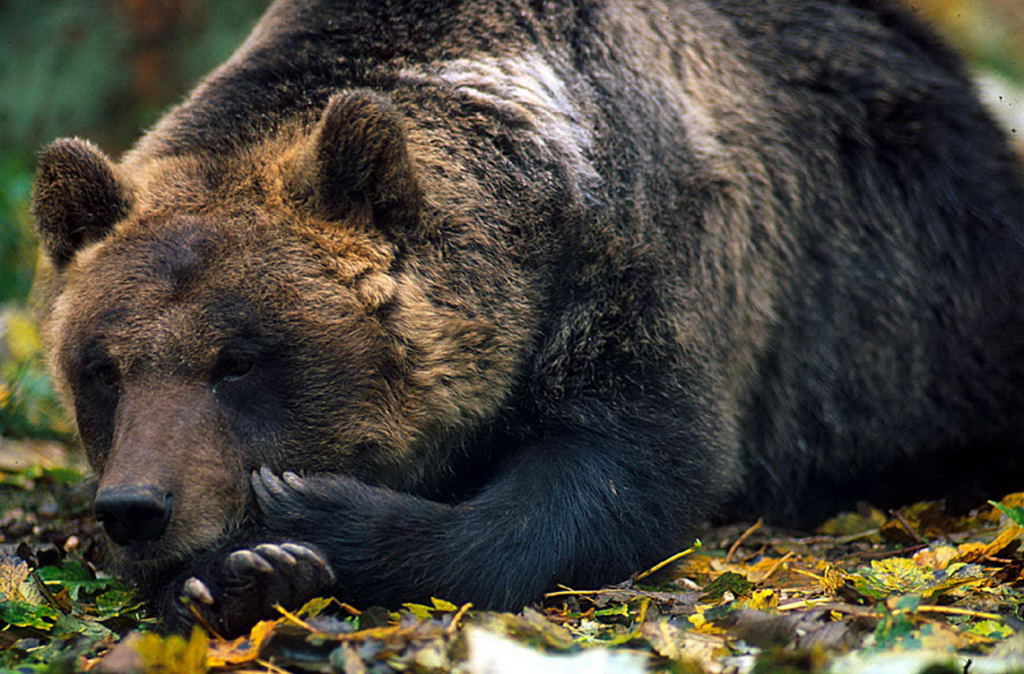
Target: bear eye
107 375
232 366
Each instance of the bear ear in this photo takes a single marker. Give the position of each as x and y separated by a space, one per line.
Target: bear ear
77 199
362 161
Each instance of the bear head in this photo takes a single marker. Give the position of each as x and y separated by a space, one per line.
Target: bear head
208 315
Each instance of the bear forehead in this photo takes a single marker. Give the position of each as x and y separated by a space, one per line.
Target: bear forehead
188 278
178 254
202 276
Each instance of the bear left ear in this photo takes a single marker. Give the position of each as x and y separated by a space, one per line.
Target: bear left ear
361 160
76 199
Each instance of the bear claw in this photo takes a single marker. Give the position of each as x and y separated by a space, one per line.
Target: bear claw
276 553
197 590
242 561
267 485
308 555
280 496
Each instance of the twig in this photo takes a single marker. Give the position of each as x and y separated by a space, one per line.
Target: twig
51 599
835 540
889 553
271 667
201 619
848 609
775 566
291 617
804 603
809 574
454 626
570 592
953 610
906 525
662 564
735 546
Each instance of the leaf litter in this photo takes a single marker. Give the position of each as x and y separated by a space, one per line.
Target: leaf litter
916 589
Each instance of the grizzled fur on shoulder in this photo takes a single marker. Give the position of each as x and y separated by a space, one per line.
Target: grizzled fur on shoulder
467 299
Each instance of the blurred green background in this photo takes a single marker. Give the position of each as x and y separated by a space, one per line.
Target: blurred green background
106 69
100 69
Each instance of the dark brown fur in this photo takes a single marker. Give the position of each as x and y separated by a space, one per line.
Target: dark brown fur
523 292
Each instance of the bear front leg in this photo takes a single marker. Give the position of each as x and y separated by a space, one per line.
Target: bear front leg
582 509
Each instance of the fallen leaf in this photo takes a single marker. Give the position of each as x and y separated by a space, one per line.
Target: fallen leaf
727 582
172 654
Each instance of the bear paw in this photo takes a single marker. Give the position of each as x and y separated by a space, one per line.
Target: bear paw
254 580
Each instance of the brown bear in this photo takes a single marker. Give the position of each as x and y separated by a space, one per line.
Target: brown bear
469 298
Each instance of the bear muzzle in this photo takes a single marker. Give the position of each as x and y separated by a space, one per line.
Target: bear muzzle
133 514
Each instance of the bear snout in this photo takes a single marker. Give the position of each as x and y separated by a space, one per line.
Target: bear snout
132 513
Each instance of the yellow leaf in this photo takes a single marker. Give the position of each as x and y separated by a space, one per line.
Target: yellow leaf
832 579
419 610
13 575
173 655
313 607
762 600
896 575
701 624
442 605
224 653
975 552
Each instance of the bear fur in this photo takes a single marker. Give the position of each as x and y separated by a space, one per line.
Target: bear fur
466 299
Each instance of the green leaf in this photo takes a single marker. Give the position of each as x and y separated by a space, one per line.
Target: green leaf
65 476
24 614
1015 513
993 629
75 578
117 602
617 609
727 582
70 626
909 603
895 630
718 612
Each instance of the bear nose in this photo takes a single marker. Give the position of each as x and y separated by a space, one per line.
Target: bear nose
133 514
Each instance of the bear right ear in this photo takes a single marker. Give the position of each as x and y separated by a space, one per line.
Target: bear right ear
361 160
77 199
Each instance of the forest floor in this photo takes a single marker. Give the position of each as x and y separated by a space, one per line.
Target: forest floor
910 590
